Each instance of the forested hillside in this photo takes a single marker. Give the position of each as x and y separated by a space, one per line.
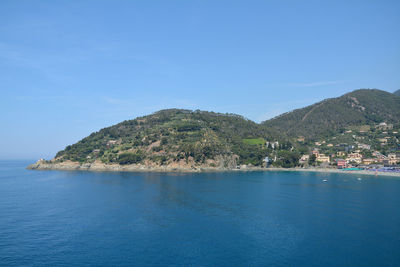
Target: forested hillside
191 139
332 116
175 135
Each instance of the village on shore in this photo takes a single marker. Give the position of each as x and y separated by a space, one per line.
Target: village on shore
365 151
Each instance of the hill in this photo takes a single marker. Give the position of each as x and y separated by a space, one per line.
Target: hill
397 92
178 139
175 137
332 116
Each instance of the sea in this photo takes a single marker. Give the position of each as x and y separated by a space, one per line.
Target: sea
81 218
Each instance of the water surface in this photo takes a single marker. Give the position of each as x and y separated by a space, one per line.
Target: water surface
57 218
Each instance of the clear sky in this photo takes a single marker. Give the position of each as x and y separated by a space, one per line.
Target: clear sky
68 68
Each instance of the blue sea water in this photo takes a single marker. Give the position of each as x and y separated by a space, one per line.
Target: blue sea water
55 218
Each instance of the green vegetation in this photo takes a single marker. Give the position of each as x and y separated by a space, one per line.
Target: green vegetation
200 138
333 116
129 158
254 141
176 135
287 159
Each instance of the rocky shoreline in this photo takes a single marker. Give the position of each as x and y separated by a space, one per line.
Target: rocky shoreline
96 166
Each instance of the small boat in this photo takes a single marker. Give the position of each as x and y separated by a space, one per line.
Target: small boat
359 179
324 180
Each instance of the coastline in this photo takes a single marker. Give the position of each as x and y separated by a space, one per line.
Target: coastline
100 167
331 170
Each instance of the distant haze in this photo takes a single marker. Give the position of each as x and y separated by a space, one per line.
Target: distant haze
68 68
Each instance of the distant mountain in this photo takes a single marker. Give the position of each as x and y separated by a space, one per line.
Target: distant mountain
397 92
330 116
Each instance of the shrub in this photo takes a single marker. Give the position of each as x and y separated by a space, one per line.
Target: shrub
129 158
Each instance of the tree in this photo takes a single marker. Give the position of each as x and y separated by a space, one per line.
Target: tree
312 159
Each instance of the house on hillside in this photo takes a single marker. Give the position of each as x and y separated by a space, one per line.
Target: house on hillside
381 126
344 147
111 142
383 141
273 145
364 146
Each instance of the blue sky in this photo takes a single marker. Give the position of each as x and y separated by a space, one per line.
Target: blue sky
68 68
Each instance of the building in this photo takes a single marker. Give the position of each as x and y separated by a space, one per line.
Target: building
376 153
393 159
322 158
341 163
273 145
364 146
344 147
381 125
354 157
380 157
368 161
383 141
304 159
341 153
111 142
315 152
266 161
388 161
384 126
